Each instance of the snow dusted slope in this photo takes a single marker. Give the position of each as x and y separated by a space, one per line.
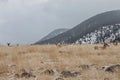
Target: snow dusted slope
54 33
93 30
104 34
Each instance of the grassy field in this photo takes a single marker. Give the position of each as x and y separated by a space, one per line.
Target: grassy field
58 62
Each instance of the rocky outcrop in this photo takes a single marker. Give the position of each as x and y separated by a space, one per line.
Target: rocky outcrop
69 74
112 68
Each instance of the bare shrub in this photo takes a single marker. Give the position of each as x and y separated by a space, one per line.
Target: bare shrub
105 45
24 74
59 45
3 69
96 47
49 72
115 43
8 44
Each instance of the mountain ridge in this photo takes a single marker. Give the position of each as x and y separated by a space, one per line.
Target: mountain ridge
54 33
87 26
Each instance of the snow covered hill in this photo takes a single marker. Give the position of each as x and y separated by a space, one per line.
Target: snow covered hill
104 27
104 34
54 33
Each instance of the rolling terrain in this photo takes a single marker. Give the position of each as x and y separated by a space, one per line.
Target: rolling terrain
60 62
54 33
93 25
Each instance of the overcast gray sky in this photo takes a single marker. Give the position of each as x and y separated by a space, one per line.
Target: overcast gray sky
27 21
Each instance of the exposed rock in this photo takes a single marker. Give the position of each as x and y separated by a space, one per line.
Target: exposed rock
94 66
24 74
49 72
59 78
112 68
17 75
69 74
84 67
105 45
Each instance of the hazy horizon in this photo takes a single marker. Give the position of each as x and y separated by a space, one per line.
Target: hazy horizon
27 21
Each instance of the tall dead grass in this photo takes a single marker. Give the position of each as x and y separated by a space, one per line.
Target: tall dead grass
66 57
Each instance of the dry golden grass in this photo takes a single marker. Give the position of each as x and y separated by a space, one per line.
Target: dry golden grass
38 58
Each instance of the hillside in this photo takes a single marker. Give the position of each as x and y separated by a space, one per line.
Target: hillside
54 33
95 23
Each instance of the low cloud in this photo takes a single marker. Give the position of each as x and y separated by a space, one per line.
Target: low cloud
26 21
